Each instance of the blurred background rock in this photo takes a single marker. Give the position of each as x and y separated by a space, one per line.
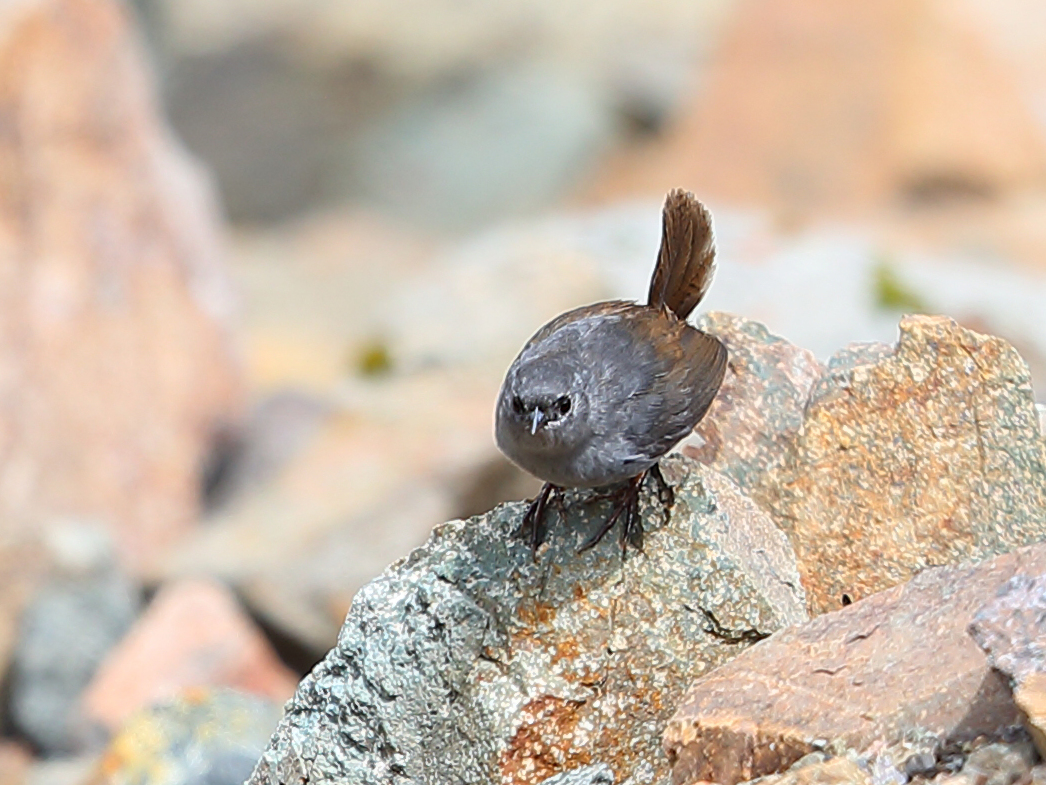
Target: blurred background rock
265 262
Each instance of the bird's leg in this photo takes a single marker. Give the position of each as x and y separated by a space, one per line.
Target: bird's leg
632 529
626 503
534 528
665 494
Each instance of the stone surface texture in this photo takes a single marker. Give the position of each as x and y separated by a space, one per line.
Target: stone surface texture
204 737
598 774
925 454
893 460
470 657
759 409
112 296
193 634
66 631
1011 629
894 670
842 770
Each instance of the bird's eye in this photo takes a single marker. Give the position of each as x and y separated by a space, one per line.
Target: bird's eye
563 404
517 405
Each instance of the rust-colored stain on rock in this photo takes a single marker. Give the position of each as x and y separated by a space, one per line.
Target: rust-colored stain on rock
546 742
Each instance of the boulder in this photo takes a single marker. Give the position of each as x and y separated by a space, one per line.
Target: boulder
895 673
1011 628
811 107
472 656
115 359
918 455
67 629
193 634
759 409
202 737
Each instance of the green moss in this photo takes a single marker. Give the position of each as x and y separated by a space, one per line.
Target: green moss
892 294
373 359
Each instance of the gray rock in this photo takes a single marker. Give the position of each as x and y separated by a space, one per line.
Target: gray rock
1012 627
207 737
470 662
67 629
599 774
1000 764
508 141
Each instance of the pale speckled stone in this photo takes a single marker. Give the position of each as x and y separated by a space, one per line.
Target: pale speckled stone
929 454
468 662
759 408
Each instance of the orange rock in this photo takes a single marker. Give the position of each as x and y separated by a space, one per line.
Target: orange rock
115 362
924 454
14 764
193 634
817 105
895 669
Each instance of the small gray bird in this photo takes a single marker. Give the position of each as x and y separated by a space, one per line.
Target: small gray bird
600 393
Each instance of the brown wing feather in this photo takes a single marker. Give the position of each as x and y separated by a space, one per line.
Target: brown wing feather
686 261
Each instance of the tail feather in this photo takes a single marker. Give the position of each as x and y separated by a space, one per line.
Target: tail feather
686 261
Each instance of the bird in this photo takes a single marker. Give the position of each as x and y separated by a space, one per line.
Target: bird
599 394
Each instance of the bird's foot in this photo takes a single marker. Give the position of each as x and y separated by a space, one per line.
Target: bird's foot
626 503
665 494
626 508
534 526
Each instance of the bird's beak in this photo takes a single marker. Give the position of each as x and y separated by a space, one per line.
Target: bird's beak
536 419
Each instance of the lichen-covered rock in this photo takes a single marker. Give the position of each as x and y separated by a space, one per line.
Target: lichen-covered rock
470 662
598 774
895 459
759 407
928 455
204 737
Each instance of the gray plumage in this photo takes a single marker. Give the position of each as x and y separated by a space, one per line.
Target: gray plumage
600 393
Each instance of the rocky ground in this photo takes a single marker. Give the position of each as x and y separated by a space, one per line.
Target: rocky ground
251 515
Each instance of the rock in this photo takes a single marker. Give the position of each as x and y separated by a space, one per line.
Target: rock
814 107
113 337
24 564
66 631
600 774
1000 764
193 634
285 101
511 279
276 429
503 141
842 770
895 459
15 761
314 297
759 409
79 770
1011 629
205 737
927 454
367 488
470 656
895 671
